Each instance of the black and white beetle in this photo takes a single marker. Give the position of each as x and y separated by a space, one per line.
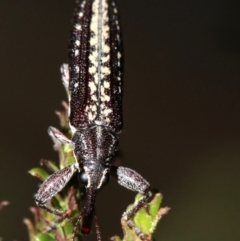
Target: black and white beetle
93 77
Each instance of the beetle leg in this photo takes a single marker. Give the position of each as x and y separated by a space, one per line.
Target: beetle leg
58 137
52 185
131 180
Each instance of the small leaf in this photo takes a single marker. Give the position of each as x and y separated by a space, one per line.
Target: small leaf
68 228
57 202
30 228
146 219
129 233
161 212
67 148
143 220
138 196
39 172
44 237
50 164
69 160
154 205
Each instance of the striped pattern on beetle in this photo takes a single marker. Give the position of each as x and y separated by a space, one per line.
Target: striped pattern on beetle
93 78
95 66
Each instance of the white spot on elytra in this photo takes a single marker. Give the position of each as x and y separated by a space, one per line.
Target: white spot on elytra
102 91
99 28
107 98
94 108
106 48
99 57
104 96
105 70
92 87
76 85
92 58
78 26
77 42
94 97
96 81
105 58
83 3
107 112
77 69
76 52
106 84
92 69
94 36
106 29
93 41
90 116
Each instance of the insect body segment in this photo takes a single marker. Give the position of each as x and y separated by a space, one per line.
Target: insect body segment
93 78
95 63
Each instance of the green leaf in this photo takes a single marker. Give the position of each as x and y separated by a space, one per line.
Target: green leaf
67 148
39 172
29 225
154 205
44 237
129 233
143 220
68 228
138 196
57 202
70 160
51 165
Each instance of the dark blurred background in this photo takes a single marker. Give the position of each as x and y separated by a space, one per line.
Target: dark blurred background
181 111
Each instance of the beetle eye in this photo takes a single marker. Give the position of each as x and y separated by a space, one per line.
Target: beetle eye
83 178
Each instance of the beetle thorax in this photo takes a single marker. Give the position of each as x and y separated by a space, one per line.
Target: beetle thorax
94 144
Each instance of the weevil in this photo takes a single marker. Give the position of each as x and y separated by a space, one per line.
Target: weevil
93 77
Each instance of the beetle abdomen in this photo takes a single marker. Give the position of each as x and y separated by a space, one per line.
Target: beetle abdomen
95 62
